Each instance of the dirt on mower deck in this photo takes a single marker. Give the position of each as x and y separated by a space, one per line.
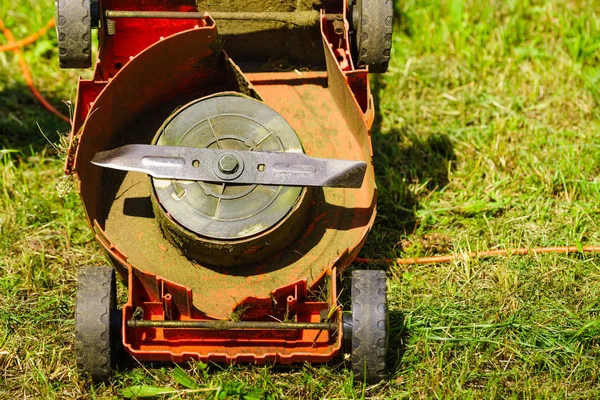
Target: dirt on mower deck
264 41
338 222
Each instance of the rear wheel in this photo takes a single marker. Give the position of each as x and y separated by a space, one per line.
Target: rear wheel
97 322
372 21
73 29
369 326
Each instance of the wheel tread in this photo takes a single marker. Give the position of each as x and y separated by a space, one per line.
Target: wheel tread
95 301
73 28
375 34
370 326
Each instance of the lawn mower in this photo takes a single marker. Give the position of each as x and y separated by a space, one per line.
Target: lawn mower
223 158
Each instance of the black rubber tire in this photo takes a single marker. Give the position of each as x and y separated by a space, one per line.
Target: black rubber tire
373 28
73 30
95 323
369 326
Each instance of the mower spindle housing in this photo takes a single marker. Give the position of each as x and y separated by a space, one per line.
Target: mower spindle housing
229 224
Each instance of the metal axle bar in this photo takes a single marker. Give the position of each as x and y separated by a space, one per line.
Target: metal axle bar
301 18
219 325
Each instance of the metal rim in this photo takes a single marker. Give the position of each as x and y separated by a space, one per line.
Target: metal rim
73 30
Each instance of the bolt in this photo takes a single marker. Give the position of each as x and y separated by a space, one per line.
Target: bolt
228 164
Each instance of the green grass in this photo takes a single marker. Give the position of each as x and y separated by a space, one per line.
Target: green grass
487 137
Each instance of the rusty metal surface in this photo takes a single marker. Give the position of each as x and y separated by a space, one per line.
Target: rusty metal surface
127 96
277 43
220 325
297 18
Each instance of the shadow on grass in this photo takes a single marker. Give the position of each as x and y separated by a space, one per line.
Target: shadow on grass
404 159
397 338
20 115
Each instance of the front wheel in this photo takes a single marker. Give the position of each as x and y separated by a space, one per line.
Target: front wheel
97 322
369 326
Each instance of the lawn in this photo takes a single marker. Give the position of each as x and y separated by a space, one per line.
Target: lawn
487 137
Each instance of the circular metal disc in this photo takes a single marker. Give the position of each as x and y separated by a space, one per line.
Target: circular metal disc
73 29
219 210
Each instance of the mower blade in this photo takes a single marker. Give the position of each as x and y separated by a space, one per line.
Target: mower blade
233 166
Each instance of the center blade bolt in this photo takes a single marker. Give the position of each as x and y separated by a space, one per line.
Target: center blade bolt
228 164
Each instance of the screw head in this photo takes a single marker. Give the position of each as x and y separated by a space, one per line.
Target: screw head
228 164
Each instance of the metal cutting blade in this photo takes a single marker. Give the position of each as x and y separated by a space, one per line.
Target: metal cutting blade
233 166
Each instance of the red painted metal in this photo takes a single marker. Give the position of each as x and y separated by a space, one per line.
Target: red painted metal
150 63
257 346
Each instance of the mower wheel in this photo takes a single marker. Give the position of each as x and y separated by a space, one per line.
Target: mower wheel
372 21
73 29
97 322
369 326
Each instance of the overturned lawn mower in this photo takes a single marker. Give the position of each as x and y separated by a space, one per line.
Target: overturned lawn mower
227 191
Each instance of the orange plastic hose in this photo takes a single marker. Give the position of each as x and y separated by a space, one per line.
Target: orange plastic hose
28 40
25 68
478 254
